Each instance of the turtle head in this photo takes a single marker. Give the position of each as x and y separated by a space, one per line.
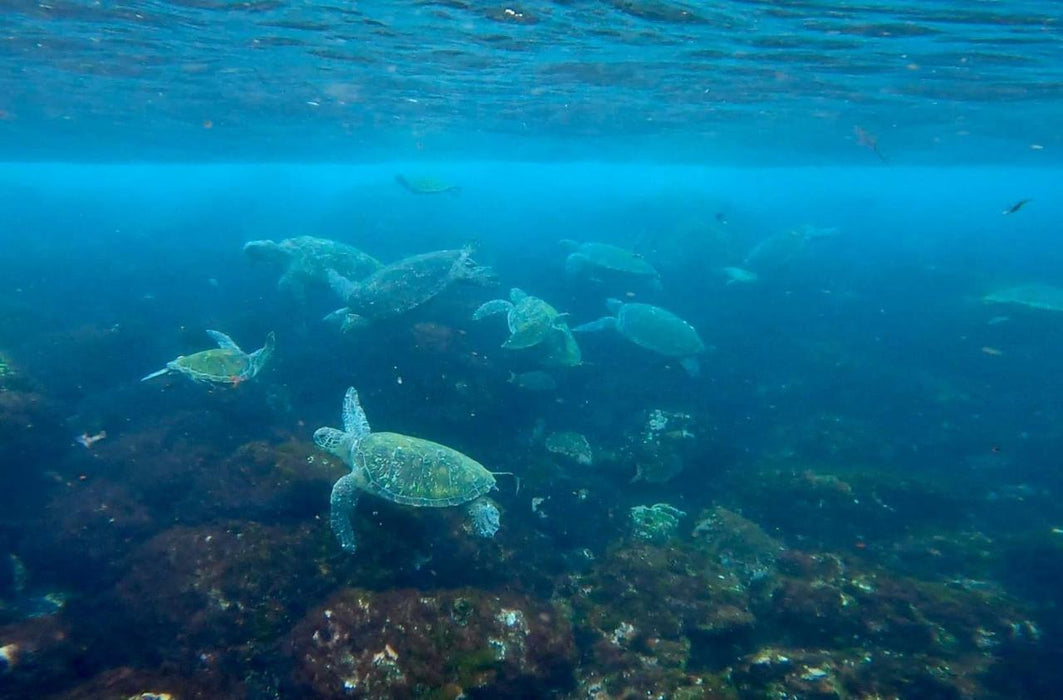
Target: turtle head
268 251
335 442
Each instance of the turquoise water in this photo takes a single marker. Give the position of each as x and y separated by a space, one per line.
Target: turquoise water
847 486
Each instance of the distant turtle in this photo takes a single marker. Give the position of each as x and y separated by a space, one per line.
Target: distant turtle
779 250
402 469
225 364
592 259
307 260
426 185
653 328
403 285
530 319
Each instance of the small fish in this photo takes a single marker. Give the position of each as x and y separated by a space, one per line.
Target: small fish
994 352
536 380
870 141
1016 206
87 441
721 217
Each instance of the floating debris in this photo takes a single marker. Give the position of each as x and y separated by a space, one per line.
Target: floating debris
572 445
87 441
656 523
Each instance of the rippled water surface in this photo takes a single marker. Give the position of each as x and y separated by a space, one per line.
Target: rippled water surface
736 80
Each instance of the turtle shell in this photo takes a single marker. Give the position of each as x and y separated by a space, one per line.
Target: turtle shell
405 284
316 255
617 259
220 365
417 472
658 330
530 321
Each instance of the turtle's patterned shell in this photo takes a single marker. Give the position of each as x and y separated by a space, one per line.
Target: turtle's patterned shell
530 321
405 284
417 472
316 255
214 365
611 257
659 330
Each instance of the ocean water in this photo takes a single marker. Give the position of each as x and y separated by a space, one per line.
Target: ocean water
809 446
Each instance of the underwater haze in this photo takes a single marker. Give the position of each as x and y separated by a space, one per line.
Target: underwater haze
609 350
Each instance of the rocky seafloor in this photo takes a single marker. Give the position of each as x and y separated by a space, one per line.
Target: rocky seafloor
188 555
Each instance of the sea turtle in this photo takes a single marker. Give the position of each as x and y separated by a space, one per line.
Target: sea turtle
403 285
653 328
225 364
592 259
307 260
1035 296
530 319
402 469
778 250
426 185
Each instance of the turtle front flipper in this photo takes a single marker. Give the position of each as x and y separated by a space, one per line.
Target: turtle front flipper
224 342
342 286
258 359
345 493
492 308
354 421
603 324
161 372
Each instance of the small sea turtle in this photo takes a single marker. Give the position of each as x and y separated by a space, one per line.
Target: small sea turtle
653 328
426 185
225 364
530 319
402 469
403 285
307 260
591 259
778 250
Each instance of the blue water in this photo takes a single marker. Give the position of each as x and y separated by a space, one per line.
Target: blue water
865 468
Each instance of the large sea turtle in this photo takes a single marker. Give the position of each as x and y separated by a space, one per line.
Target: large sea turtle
403 285
426 185
594 259
402 469
530 319
225 364
653 328
1035 296
307 260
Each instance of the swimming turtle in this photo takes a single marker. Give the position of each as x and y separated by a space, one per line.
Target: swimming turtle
403 285
778 250
402 469
307 260
653 328
594 258
225 364
426 185
530 319
1035 296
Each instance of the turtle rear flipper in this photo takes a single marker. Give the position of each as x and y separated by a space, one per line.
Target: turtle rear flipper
692 366
258 359
603 324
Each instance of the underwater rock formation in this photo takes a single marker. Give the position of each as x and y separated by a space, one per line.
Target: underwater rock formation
405 643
